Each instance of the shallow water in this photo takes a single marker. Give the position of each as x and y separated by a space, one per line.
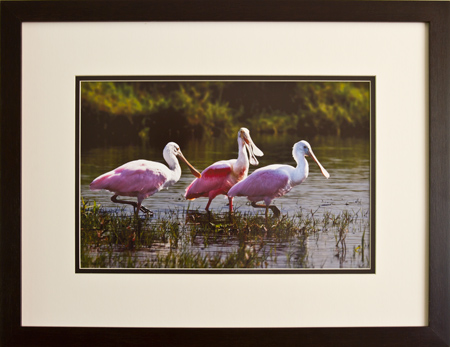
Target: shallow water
347 161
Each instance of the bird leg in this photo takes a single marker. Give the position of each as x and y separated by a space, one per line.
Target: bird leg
275 210
230 215
146 210
209 203
132 203
142 208
135 205
230 199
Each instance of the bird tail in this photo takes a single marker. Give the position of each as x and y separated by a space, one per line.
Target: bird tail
188 194
100 182
191 191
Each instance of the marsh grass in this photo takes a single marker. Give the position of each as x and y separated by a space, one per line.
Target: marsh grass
112 238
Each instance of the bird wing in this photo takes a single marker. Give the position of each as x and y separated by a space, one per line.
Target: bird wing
270 181
213 178
137 178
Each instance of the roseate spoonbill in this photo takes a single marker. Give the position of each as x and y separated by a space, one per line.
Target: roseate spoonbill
273 181
219 177
143 178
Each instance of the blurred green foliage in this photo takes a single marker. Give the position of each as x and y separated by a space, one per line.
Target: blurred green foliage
334 105
122 98
202 106
221 108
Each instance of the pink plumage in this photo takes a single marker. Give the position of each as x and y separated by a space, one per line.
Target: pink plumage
216 179
266 184
219 177
143 178
274 181
139 178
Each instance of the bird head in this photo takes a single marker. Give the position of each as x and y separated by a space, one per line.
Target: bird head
303 149
173 150
244 134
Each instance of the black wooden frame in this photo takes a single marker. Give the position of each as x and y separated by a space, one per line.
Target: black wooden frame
436 14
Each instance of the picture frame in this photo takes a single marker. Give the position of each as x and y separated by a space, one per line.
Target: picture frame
436 14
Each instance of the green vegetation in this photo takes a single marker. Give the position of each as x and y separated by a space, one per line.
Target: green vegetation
113 239
341 106
118 112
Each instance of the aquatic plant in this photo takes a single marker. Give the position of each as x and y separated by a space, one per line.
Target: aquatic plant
194 239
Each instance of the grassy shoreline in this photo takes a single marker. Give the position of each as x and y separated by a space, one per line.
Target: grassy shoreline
195 239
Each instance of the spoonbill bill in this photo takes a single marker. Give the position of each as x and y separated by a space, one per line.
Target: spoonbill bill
274 181
143 178
219 177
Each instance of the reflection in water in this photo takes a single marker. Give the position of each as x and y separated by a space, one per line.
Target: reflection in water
347 189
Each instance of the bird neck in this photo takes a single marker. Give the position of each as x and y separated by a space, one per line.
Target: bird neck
174 166
301 171
242 161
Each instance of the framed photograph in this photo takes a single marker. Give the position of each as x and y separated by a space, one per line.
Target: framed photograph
333 231
347 102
